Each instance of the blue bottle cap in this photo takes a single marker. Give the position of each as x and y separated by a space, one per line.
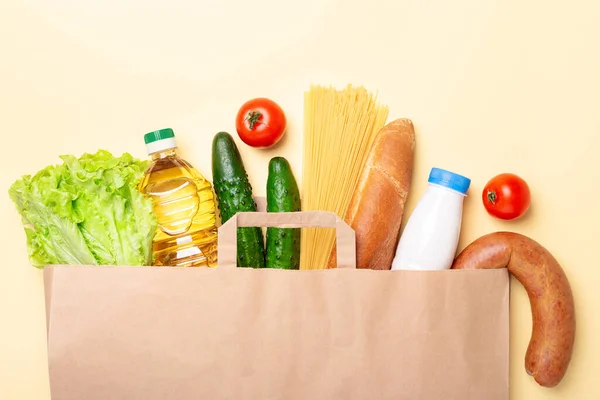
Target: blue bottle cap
450 180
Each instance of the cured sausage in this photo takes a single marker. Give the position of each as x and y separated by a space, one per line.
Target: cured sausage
552 305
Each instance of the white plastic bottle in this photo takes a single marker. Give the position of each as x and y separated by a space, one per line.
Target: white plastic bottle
430 238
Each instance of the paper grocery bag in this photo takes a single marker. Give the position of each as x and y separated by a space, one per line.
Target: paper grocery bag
259 334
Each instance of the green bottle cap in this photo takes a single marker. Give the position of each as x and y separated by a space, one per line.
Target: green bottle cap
160 140
160 134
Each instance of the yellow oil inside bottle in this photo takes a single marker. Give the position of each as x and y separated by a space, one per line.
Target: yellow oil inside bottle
185 210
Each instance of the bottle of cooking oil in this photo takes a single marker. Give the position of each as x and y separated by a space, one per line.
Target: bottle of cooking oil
183 204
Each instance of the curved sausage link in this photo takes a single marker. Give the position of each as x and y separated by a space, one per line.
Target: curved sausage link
549 292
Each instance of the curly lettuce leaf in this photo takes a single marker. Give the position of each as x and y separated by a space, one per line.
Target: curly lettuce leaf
87 211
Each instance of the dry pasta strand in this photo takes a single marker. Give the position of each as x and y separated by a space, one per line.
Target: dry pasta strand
339 129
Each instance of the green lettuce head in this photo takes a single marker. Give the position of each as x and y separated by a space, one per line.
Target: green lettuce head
87 211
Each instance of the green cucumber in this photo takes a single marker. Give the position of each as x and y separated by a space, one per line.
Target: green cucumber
234 194
283 244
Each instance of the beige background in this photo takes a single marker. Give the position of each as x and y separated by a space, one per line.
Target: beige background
492 86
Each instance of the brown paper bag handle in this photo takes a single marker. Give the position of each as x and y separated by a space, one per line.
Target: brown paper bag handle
345 236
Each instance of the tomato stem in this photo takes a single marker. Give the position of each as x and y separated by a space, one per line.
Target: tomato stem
491 196
252 118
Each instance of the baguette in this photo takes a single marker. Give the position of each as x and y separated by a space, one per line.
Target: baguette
377 205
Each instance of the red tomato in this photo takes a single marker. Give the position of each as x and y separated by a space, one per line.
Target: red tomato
506 196
260 122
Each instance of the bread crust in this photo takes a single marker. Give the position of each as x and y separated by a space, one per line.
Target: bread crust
377 205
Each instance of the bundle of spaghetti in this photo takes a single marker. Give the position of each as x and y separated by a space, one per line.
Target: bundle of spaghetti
339 129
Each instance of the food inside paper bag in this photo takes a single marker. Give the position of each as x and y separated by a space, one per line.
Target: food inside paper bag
281 248
357 166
